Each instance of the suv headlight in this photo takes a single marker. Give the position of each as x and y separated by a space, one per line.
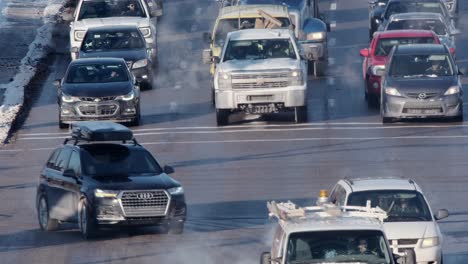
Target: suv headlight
69 99
105 193
452 90
79 34
146 31
430 242
224 80
316 36
296 77
128 97
140 64
176 190
392 91
376 68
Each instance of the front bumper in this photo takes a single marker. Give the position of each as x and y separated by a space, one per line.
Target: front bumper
117 111
292 96
315 50
403 107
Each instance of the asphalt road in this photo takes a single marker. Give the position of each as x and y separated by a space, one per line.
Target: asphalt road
229 173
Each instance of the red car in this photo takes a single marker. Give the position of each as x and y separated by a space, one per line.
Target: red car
375 57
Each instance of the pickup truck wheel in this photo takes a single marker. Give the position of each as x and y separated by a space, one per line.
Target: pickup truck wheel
300 114
43 216
222 117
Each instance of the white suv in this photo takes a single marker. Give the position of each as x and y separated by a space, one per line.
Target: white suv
96 13
411 227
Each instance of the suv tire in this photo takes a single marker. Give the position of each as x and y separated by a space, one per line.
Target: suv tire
45 222
85 221
222 117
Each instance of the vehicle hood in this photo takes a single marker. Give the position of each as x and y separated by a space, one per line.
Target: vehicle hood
128 55
438 84
110 21
410 230
378 60
161 181
97 89
269 64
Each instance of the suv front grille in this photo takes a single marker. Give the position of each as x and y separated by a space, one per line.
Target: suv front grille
98 110
145 203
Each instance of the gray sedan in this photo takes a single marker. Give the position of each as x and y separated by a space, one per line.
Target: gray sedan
421 81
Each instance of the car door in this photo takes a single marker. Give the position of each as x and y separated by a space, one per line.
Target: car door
71 186
46 176
57 205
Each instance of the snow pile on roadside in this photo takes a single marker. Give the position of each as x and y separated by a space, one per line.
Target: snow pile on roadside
38 49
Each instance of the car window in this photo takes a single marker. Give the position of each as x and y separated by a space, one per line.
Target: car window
259 49
53 157
111 8
97 73
114 40
62 160
410 6
429 66
385 45
425 24
74 163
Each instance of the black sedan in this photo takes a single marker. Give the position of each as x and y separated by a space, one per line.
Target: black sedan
98 89
421 81
125 42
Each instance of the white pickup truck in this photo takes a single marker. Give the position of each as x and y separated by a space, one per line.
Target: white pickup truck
96 13
260 71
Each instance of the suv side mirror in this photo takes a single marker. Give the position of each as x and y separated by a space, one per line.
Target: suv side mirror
168 169
206 37
207 56
441 214
69 173
364 52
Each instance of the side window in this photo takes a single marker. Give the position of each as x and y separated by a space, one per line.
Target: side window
338 195
75 163
51 161
62 160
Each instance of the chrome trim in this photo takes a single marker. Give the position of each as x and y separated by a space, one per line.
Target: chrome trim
121 193
78 111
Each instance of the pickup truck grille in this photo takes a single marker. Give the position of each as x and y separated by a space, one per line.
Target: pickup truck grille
254 80
259 85
145 203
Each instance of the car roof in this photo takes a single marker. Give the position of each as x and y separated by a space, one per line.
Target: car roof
416 15
97 60
420 49
335 223
248 34
381 183
251 11
419 1
405 33
113 28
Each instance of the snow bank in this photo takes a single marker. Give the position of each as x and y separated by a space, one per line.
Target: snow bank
38 49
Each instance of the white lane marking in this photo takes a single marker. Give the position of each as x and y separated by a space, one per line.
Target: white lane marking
331 61
332 42
173 106
333 24
333 6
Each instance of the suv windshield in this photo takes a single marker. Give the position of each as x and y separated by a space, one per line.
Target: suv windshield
113 160
343 246
410 66
232 24
97 73
114 40
410 6
111 8
385 45
400 205
426 24
259 49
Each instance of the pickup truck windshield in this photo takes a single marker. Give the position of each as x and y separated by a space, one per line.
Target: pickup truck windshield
400 205
114 40
343 246
110 8
259 49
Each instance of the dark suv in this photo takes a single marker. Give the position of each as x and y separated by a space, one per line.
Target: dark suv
96 183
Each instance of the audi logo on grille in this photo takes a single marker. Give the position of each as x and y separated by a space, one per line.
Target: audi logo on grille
422 95
145 196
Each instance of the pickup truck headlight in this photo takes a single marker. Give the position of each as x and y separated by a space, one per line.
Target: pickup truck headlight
452 90
296 77
316 36
146 31
128 97
69 99
79 35
176 190
430 242
224 80
140 64
105 193
392 91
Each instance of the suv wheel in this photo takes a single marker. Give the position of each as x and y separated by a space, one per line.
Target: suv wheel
222 117
45 222
86 223
300 114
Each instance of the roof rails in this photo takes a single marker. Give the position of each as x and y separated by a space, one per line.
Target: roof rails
290 211
99 131
352 180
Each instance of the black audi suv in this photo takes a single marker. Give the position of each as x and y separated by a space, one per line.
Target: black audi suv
96 182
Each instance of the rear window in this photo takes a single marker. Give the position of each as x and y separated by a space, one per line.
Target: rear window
97 73
426 24
385 45
410 6
111 8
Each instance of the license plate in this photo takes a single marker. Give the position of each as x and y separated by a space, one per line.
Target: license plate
424 111
259 97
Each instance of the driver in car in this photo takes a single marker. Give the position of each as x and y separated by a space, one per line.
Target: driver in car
436 68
